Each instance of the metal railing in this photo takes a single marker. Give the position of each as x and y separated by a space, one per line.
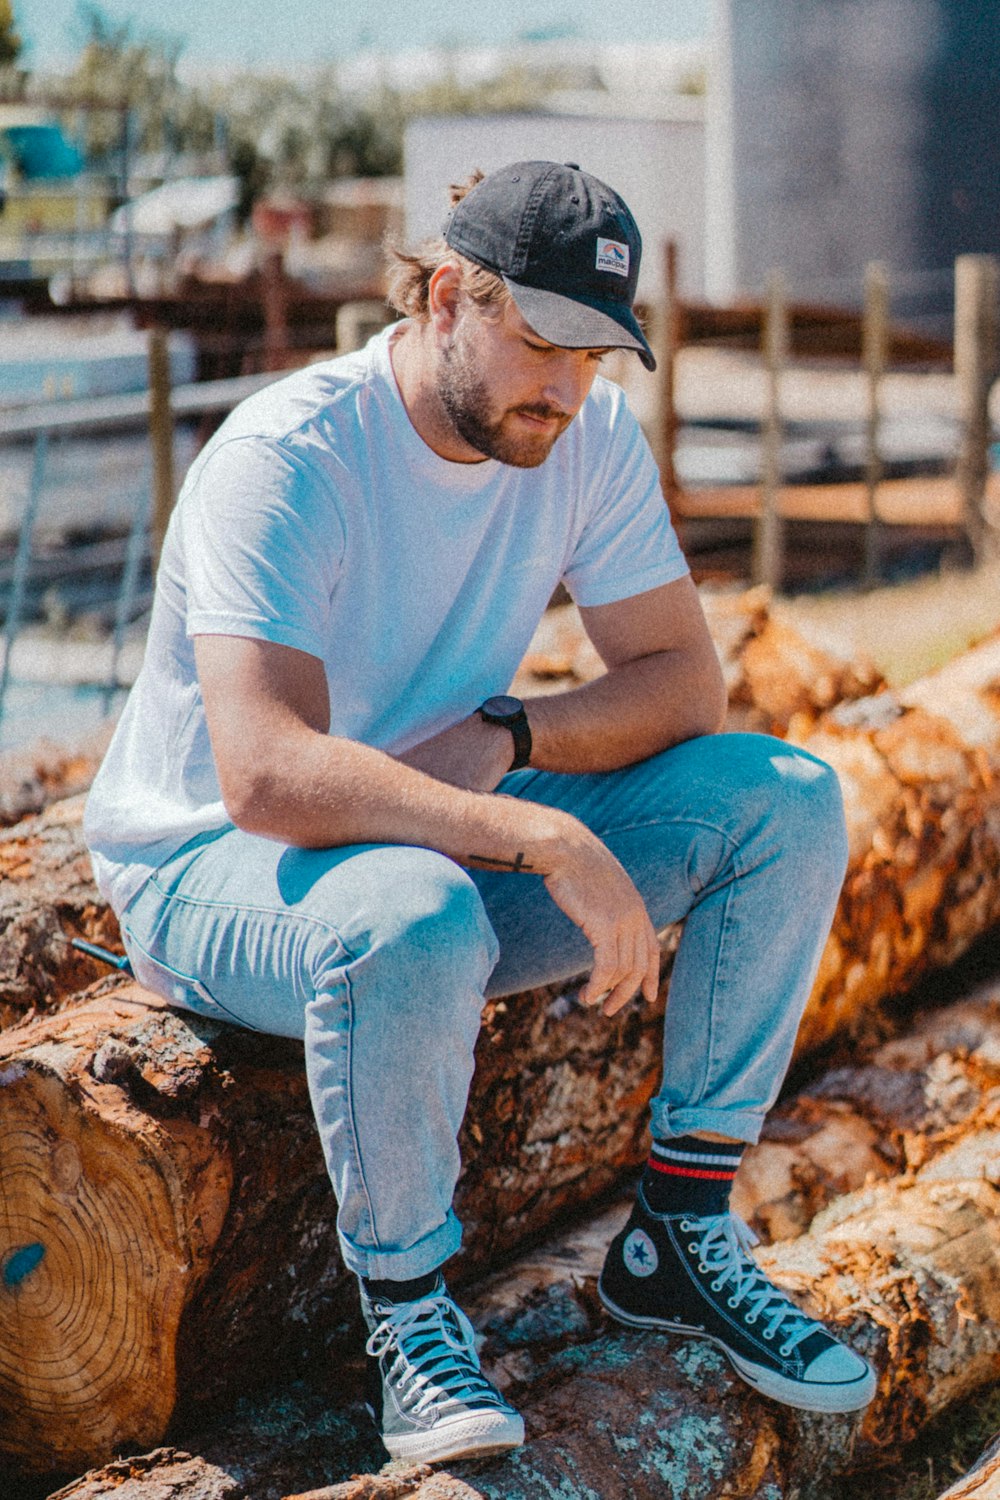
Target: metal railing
39 424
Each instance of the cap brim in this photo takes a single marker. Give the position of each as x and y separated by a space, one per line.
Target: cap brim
580 325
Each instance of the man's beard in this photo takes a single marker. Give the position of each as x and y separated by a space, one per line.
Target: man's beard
465 397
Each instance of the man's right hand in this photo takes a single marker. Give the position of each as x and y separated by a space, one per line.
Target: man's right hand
596 893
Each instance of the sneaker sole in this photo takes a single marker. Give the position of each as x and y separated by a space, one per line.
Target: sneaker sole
465 1437
824 1398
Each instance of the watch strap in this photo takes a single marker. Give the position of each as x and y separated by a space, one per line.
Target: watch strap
513 718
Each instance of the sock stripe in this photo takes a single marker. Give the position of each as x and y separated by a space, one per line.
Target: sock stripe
661 1153
662 1166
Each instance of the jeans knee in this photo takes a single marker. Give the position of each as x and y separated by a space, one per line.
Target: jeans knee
810 810
424 934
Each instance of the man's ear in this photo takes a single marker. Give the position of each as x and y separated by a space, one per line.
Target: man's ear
444 293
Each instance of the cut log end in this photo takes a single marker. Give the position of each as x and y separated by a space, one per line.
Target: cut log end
92 1282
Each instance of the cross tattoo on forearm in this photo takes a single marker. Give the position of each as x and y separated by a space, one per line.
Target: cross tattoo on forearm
517 865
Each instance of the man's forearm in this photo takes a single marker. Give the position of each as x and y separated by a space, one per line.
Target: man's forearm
323 791
636 710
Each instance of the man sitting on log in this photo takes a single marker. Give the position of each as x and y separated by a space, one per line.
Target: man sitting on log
323 817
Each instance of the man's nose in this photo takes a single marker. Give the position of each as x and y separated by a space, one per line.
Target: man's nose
568 380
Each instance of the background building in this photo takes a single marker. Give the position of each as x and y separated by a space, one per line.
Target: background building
832 133
841 131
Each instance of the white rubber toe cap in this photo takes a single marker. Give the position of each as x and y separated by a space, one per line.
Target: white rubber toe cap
840 1366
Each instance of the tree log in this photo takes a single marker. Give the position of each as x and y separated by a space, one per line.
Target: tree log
922 797
202 1136
32 778
982 1482
905 1271
914 1099
165 1199
47 897
164 1474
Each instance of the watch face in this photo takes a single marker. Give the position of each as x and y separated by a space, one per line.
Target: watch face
503 706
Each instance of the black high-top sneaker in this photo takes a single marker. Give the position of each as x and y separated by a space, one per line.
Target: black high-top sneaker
696 1276
430 1399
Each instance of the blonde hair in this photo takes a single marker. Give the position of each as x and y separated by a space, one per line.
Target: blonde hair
409 271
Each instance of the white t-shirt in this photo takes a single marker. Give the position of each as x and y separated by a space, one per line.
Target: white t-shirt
318 518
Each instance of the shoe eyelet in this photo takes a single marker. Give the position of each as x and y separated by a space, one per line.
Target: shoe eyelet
692 1249
685 1226
703 1268
716 1286
784 1351
732 1302
768 1334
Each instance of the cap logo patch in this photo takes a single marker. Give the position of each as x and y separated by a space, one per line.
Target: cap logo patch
612 255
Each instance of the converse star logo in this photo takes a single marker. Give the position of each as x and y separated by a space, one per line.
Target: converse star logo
612 255
640 1253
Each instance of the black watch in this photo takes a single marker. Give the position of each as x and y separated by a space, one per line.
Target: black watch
509 713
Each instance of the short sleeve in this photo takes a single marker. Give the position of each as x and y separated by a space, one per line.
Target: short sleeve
263 541
626 543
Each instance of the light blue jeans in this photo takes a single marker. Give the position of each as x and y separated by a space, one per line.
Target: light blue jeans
379 958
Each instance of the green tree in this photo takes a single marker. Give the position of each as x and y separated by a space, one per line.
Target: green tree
129 69
10 41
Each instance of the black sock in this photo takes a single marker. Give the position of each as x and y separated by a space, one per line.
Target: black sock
402 1291
689 1175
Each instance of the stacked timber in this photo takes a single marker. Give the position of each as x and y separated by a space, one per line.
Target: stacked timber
165 1201
904 1268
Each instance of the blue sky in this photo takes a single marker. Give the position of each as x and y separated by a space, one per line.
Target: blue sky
261 32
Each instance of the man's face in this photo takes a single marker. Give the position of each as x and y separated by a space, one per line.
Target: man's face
509 394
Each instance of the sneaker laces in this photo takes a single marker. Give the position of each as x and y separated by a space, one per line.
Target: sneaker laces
436 1359
724 1250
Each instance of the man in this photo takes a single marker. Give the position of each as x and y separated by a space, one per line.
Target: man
321 817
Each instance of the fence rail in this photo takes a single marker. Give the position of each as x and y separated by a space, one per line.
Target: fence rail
39 424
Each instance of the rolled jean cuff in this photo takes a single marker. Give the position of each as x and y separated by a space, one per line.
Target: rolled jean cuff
740 1125
403 1265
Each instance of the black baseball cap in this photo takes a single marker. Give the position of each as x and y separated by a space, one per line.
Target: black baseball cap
567 248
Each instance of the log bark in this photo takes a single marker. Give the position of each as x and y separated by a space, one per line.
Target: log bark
164 1474
920 772
47 897
32 778
911 1101
419 1483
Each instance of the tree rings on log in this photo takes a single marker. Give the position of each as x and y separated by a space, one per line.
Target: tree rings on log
102 1236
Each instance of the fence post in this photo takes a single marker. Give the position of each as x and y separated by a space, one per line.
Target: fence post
665 347
874 357
274 295
161 437
356 322
769 539
977 287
